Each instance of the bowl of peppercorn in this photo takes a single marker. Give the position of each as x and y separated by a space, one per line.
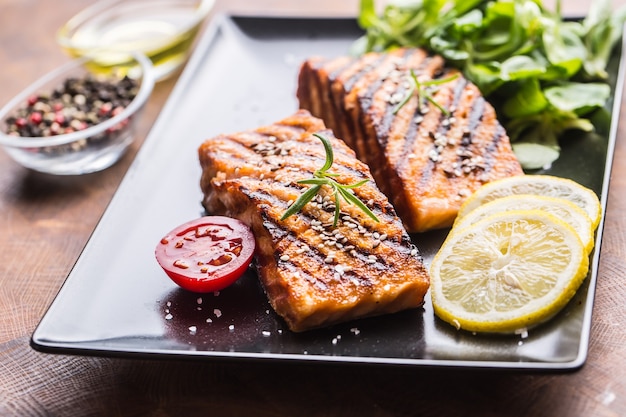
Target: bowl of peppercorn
75 121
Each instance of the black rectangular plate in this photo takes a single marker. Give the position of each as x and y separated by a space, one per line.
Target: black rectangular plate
118 302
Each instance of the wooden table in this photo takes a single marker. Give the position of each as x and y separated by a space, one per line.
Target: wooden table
45 222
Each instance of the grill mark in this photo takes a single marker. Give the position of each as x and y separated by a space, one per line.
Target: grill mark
488 156
333 75
476 115
364 70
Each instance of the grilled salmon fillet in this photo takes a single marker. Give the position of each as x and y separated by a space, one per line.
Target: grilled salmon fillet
425 159
314 274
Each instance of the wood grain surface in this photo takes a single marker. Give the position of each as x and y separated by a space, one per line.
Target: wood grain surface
45 222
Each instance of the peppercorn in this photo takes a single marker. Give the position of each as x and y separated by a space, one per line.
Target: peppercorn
76 105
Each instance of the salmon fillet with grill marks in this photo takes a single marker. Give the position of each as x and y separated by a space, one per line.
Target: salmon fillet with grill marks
314 274
425 161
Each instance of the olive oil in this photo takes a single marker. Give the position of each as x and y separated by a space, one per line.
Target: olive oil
162 30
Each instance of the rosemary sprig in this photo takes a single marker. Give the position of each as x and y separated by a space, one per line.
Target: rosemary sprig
322 177
423 90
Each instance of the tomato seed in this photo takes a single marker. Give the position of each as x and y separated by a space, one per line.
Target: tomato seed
180 264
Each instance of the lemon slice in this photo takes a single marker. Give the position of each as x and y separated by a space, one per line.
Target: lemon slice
545 185
561 208
510 271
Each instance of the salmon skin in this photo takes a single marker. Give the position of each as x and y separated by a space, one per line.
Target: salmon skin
314 274
425 159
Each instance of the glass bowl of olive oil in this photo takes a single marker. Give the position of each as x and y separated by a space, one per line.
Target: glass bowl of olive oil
109 30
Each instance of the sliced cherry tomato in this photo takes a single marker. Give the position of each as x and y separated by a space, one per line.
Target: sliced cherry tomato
206 254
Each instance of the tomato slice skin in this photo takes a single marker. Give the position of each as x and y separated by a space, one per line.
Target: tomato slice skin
206 254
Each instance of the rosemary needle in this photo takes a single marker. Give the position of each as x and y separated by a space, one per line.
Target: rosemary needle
423 91
322 177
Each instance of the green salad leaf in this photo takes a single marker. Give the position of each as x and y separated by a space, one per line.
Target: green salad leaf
543 73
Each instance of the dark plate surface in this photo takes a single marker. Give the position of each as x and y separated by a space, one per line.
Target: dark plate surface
117 301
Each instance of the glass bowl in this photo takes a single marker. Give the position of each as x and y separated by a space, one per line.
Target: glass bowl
163 30
86 147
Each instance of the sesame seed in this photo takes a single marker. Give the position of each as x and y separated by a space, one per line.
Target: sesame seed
433 155
284 258
375 244
383 236
340 269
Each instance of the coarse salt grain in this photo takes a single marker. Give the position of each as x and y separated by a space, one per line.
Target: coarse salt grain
168 317
265 333
199 300
231 327
523 332
193 329
217 312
